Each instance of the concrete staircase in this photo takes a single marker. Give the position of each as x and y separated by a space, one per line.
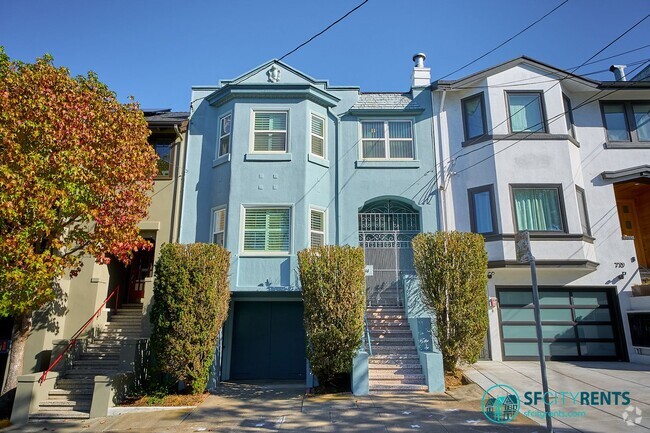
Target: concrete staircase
394 365
72 395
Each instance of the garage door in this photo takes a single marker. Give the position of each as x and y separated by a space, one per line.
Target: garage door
576 324
268 341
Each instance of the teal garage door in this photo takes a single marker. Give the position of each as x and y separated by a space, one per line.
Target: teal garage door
268 341
577 324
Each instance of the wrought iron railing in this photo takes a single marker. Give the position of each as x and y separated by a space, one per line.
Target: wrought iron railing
76 335
389 222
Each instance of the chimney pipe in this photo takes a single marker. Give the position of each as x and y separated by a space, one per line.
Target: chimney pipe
421 76
619 72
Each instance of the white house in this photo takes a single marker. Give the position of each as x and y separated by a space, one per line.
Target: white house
527 146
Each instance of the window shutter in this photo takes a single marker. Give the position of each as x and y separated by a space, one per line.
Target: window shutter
317 228
267 230
219 226
317 136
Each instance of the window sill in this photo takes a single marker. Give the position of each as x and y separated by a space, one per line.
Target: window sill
627 145
542 236
318 160
516 136
267 157
387 164
221 160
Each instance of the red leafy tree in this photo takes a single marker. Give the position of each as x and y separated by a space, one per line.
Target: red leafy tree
75 176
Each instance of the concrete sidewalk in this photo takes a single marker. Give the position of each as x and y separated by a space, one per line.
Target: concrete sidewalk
255 408
575 377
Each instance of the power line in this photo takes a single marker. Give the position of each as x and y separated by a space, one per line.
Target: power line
326 29
506 41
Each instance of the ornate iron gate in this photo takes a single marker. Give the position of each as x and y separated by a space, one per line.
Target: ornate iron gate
385 232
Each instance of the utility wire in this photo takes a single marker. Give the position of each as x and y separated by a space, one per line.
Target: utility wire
506 41
326 29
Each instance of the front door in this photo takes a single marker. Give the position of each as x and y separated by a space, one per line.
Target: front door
141 267
630 227
386 229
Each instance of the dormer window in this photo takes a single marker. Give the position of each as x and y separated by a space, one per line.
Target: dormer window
387 139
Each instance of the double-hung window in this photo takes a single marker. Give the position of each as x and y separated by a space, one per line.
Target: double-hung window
164 147
482 210
219 226
474 121
316 227
387 139
225 125
317 136
538 208
270 131
627 121
267 230
526 112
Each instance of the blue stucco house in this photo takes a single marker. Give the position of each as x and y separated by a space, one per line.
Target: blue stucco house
278 161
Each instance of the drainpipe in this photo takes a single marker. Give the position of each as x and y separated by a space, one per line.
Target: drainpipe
337 210
440 172
177 203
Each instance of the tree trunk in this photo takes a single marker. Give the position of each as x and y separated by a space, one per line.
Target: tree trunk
19 334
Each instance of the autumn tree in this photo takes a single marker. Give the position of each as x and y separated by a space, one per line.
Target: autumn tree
75 176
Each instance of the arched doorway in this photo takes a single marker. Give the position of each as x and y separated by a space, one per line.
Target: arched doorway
386 228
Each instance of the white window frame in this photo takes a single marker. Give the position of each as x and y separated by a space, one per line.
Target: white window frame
324 231
221 135
213 224
254 112
386 140
311 134
242 225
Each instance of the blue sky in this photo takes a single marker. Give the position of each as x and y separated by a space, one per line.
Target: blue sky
157 50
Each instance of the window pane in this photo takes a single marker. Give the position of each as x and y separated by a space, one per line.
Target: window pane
317 222
554 298
483 212
225 125
525 112
537 209
270 142
224 145
592 315
266 230
595 331
642 120
516 298
589 298
317 239
164 152
474 117
615 122
317 126
517 315
401 149
568 116
218 238
598 349
582 210
374 149
399 129
317 146
372 129
270 121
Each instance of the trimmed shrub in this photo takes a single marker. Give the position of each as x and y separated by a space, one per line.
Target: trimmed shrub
334 294
190 304
452 267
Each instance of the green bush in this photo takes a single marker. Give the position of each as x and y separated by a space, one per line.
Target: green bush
334 294
452 267
190 304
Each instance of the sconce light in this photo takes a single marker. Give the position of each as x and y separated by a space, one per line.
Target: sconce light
622 275
490 275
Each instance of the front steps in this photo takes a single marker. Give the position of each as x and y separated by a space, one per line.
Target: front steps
72 395
394 365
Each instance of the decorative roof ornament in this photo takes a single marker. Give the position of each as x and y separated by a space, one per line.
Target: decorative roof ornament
273 74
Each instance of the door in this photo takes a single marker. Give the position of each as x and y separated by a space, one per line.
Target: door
386 229
577 324
630 227
141 267
268 341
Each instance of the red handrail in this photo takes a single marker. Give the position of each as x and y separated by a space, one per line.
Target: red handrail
76 335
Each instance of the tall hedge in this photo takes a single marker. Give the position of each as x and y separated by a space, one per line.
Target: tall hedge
190 304
452 267
334 294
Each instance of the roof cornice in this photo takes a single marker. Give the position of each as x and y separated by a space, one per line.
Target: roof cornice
275 91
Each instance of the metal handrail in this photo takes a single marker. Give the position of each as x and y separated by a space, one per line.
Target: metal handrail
76 335
365 319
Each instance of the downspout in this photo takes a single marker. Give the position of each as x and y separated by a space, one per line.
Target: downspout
337 210
440 172
174 233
